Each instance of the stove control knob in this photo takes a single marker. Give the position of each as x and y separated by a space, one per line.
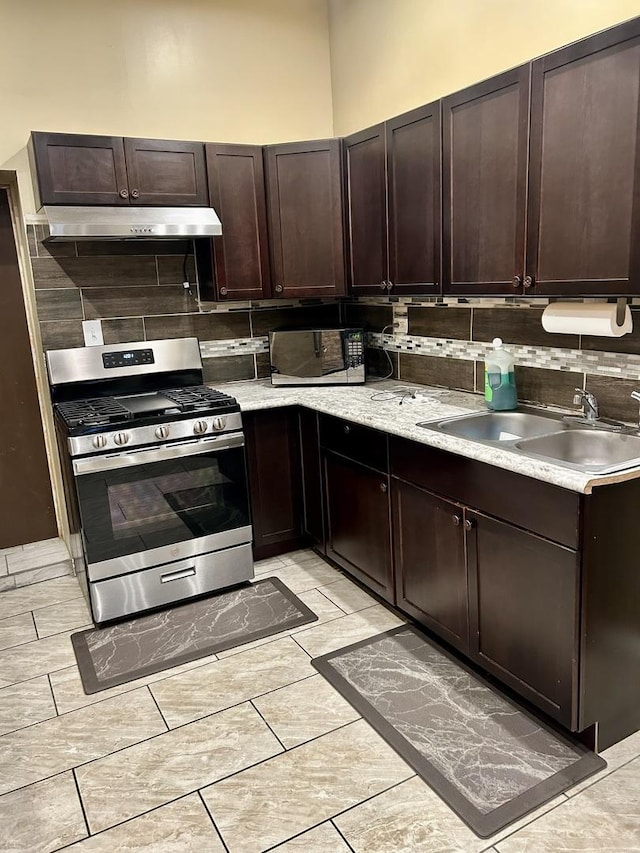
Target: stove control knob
200 427
99 441
219 423
162 432
121 438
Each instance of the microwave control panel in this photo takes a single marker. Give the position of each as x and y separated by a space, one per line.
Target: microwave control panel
354 348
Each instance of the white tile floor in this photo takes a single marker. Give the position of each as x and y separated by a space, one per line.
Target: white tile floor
248 750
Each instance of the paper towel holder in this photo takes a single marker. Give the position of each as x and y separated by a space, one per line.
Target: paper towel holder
609 317
621 309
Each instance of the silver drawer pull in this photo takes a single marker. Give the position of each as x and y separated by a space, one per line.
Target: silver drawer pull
176 576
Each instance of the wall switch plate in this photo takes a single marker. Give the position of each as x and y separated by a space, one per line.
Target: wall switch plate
92 331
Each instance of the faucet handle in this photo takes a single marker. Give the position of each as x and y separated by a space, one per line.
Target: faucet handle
578 396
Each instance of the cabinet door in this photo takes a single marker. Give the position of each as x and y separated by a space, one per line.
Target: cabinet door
26 503
273 463
237 193
484 184
524 601
358 522
430 564
166 172
304 193
366 181
413 180
311 477
71 168
584 183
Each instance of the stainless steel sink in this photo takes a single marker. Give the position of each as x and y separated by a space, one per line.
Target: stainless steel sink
600 448
498 426
587 449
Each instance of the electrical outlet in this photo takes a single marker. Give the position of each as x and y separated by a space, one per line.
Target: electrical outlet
92 331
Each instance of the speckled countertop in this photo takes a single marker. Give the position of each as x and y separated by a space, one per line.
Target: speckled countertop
375 405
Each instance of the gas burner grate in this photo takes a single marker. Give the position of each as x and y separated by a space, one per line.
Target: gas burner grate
200 397
93 412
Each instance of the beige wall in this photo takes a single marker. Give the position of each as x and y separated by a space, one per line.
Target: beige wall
388 56
223 70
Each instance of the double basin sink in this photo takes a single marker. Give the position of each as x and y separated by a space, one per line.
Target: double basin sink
573 443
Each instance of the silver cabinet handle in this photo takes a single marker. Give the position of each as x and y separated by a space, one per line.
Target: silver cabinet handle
456 520
468 525
383 487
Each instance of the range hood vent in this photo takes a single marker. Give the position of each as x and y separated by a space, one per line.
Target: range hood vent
131 223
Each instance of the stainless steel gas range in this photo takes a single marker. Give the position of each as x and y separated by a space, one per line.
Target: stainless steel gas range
155 475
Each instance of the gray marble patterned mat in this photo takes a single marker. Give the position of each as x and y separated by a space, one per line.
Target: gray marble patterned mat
490 760
157 641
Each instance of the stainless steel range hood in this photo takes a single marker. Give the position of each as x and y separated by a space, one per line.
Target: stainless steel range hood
131 223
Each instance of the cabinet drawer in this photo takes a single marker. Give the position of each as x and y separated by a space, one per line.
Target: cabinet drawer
173 582
547 510
357 442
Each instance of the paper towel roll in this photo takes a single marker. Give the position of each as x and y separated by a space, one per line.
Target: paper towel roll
592 318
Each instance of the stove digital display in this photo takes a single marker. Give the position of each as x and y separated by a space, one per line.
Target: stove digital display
128 358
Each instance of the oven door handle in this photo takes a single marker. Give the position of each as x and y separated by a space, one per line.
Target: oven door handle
95 464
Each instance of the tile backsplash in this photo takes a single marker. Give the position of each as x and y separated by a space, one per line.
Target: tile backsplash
136 290
444 341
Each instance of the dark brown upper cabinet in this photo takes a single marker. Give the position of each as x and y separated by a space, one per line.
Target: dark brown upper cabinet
413 192
366 214
304 195
83 169
164 172
70 168
484 180
584 180
393 204
237 193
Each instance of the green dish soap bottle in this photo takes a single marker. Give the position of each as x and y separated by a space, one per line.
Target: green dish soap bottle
499 379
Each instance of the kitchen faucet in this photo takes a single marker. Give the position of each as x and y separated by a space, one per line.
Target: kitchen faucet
589 403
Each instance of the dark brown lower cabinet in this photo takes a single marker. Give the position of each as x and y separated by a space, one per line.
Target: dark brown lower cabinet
313 517
430 565
524 599
358 524
273 466
499 589
537 585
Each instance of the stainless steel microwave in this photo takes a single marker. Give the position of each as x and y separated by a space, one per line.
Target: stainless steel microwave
317 357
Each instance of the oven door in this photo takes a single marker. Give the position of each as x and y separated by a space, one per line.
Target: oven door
147 507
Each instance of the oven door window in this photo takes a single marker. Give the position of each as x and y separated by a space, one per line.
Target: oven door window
139 507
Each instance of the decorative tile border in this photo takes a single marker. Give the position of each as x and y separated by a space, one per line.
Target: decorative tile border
258 304
618 365
478 301
234 346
